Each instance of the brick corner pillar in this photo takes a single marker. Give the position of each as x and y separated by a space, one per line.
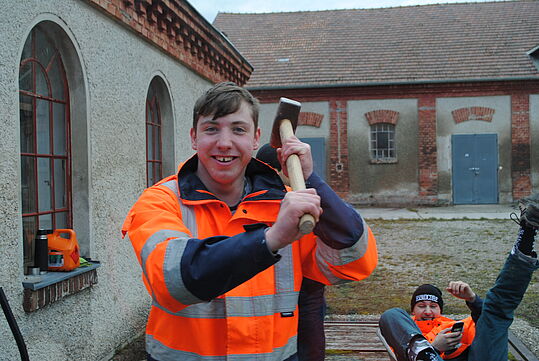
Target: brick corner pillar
520 146
428 167
339 176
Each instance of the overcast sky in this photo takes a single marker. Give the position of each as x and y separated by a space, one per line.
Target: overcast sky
209 8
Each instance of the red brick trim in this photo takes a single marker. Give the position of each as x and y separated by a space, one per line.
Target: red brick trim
34 300
428 167
338 147
310 118
426 95
520 145
382 116
178 30
410 91
473 113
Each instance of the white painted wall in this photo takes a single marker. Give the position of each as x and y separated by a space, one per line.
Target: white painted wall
396 182
111 69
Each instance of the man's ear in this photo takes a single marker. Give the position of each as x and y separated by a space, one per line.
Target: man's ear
193 135
256 142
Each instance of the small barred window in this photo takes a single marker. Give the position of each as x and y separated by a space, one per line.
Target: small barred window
382 145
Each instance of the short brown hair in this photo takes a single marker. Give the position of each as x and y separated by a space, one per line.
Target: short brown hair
223 99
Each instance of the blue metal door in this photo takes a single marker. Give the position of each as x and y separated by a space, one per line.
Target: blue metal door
475 168
318 150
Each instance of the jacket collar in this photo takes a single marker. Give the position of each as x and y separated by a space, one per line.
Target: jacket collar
265 183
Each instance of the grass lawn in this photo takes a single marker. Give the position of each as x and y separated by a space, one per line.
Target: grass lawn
433 251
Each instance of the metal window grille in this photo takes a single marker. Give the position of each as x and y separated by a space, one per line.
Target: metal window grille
382 145
154 146
45 140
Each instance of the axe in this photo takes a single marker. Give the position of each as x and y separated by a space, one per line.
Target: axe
284 125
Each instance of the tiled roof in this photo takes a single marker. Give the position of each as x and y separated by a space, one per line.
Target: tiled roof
429 43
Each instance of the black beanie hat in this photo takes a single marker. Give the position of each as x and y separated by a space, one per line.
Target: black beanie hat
268 154
427 292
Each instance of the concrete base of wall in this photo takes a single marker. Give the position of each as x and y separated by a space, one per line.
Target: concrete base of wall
359 200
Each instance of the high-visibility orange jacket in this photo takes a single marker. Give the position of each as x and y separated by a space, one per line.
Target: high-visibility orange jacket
217 291
430 329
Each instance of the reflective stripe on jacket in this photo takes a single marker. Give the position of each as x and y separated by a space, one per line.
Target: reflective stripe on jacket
430 329
217 292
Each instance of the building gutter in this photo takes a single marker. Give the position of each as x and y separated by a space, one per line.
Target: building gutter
391 83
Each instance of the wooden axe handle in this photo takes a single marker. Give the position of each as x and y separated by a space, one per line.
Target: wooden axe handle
295 175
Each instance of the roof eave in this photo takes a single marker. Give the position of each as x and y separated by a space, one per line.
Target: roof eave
391 83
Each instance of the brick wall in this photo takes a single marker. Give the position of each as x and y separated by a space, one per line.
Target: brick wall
428 166
177 29
520 145
339 178
310 119
427 152
34 300
472 113
382 116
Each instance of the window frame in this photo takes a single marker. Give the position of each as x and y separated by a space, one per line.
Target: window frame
377 154
35 155
154 122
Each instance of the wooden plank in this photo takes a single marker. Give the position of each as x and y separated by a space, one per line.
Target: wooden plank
357 336
519 350
357 340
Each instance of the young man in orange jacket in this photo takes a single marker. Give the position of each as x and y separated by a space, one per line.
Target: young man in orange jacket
428 335
221 253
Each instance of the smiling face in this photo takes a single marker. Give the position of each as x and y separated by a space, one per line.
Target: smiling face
426 310
224 147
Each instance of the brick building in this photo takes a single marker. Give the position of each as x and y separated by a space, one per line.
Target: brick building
96 99
434 104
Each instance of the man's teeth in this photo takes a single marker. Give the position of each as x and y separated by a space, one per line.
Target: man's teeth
224 159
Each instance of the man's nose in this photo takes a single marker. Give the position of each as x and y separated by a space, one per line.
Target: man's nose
225 139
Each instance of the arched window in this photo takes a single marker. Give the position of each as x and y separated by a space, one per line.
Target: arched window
159 131
45 140
154 145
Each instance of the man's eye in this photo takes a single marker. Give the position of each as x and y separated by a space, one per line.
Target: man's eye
239 130
210 129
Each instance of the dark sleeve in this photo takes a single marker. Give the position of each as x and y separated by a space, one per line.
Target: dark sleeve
475 307
215 265
340 226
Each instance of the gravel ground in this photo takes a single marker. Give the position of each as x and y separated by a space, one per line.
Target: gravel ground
426 251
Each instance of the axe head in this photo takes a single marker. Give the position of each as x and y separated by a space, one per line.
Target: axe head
288 109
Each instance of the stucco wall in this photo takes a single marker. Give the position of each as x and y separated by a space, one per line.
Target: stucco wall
116 68
500 125
395 182
534 127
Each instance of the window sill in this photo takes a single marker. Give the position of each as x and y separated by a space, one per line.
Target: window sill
384 161
48 288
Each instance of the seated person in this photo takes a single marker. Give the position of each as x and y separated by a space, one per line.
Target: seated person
311 302
428 336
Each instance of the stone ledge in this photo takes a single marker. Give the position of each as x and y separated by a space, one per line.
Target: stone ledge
40 294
